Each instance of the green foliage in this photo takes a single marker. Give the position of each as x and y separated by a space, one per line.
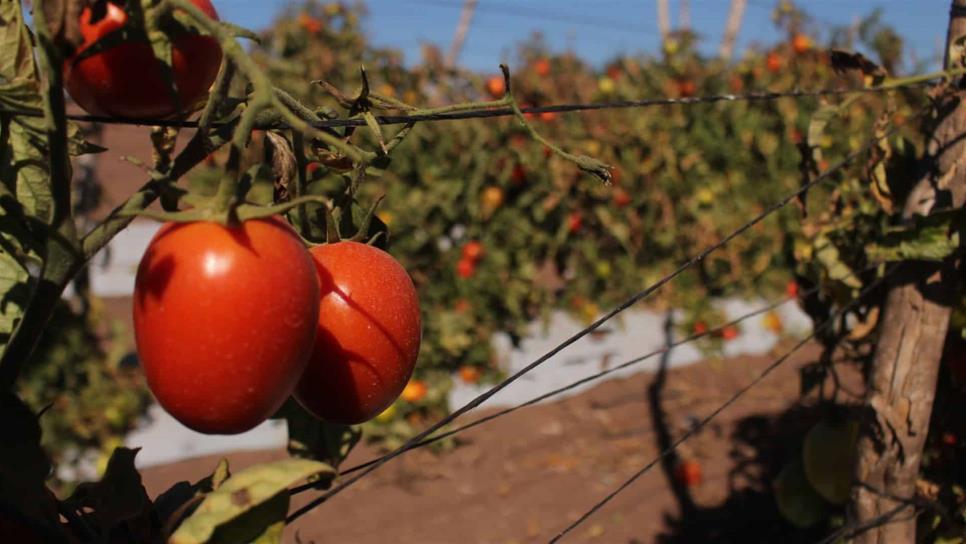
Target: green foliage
90 396
554 238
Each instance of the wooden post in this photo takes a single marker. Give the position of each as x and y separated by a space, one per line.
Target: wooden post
663 20
462 29
735 13
906 363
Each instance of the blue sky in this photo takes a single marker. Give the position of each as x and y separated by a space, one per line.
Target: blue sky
597 29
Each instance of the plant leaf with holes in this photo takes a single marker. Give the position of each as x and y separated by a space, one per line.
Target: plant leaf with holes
247 503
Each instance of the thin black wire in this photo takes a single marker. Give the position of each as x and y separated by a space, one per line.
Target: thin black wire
734 398
592 327
486 113
578 383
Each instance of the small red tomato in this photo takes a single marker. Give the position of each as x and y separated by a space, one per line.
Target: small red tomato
614 72
312 167
128 81
948 438
414 391
736 84
469 374
688 473
773 62
542 67
729 333
224 320
462 306
309 24
686 88
465 268
548 116
496 87
368 338
575 222
700 327
621 198
473 251
518 175
791 289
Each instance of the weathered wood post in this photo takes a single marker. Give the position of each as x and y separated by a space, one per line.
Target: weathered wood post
916 317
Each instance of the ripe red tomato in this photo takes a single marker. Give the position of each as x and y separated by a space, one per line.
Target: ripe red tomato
621 197
729 333
224 319
791 289
473 250
519 175
773 62
688 473
542 67
686 88
575 222
700 327
368 334
465 268
127 80
801 43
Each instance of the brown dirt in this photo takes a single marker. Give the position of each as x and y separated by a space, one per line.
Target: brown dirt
524 477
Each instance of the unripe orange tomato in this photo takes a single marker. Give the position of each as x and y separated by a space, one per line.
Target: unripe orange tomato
224 320
496 87
128 81
414 391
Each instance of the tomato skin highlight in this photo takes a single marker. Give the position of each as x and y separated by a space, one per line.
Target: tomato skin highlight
127 80
225 320
369 331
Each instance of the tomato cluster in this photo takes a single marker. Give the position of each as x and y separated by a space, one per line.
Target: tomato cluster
231 320
126 80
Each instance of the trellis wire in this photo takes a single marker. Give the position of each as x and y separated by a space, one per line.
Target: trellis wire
578 383
731 400
485 113
634 299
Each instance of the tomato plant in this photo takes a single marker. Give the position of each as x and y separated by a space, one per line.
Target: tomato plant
224 319
126 80
369 330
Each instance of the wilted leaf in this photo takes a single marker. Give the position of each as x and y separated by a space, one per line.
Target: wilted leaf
844 61
23 464
63 20
248 501
118 497
931 238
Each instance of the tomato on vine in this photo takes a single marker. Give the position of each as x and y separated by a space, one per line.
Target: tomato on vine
224 320
473 250
126 80
369 331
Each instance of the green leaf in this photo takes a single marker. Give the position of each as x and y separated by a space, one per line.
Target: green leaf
14 36
828 255
248 503
931 238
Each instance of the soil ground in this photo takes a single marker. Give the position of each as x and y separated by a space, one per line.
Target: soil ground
524 477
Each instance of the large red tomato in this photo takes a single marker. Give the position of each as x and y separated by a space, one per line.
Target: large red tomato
128 81
224 319
368 337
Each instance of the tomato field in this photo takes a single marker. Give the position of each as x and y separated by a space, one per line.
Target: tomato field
344 234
